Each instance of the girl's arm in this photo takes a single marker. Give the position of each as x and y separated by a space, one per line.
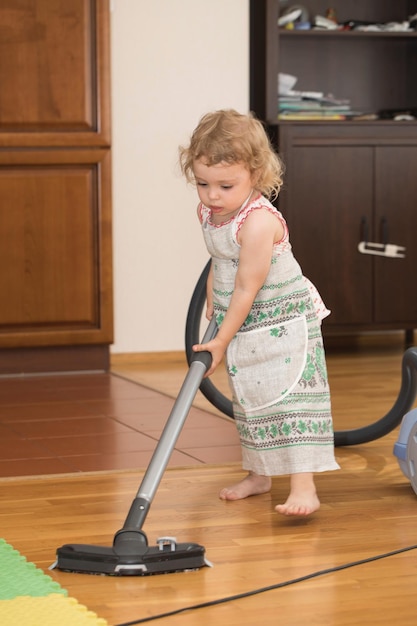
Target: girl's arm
209 283
257 236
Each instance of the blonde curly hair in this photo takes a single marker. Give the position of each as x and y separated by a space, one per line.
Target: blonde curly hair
226 136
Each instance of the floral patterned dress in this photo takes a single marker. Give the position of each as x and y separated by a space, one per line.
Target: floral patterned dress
276 362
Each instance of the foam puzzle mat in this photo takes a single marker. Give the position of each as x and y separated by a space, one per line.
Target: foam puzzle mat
29 597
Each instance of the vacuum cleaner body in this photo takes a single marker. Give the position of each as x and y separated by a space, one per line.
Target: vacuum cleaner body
130 554
405 449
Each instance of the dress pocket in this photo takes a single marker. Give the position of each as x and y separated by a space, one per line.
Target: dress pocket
264 365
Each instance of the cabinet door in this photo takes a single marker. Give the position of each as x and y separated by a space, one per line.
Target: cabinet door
327 199
396 222
55 255
55 186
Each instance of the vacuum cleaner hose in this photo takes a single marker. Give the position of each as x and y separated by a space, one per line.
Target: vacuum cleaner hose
192 336
380 428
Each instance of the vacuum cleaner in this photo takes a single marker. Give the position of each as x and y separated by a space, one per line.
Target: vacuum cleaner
130 554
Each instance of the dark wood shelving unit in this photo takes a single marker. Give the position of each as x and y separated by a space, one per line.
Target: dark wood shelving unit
351 180
283 32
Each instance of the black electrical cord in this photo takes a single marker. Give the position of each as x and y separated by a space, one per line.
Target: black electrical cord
255 592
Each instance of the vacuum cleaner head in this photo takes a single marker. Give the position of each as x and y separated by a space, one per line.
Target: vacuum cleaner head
164 558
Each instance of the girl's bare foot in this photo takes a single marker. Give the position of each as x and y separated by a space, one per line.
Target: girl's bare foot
302 506
251 485
303 499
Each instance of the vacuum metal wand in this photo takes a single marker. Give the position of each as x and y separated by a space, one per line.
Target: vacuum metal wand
200 363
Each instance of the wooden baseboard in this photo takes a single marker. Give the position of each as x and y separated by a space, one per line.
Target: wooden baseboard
54 359
148 358
368 340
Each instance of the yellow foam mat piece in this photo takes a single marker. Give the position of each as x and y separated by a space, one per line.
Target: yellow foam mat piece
52 610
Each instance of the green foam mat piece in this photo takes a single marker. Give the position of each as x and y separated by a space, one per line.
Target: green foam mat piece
29 597
18 577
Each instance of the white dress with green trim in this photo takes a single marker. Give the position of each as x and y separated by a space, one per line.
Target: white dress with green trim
276 362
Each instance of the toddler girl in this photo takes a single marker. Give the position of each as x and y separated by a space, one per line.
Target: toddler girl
269 315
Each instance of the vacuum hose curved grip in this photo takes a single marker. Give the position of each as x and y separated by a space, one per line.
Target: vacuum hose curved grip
205 357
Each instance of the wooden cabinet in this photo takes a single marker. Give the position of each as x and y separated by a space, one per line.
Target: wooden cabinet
339 193
347 181
55 189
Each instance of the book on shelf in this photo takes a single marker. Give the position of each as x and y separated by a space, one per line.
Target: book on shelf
300 107
302 116
307 106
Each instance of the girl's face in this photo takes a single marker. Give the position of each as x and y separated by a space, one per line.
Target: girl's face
223 188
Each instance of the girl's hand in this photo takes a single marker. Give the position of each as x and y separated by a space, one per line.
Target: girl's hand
216 349
209 311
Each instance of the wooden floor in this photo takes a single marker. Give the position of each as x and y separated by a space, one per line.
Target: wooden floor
91 437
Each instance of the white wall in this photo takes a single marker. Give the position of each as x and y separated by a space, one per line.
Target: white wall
172 61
